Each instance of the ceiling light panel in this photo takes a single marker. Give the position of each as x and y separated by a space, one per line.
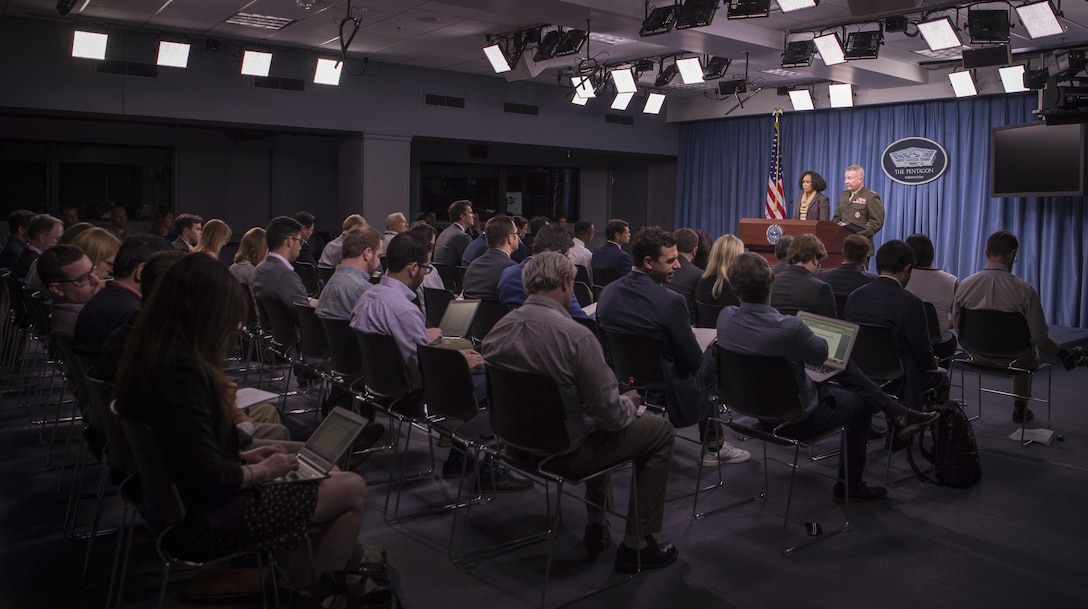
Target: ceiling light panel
654 101
327 72
940 34
842 96
801 99
173 54
622 101
962 84
691 71
830 48
89 45
788 6
624 80
1039 19
256 63
497 58
1012 79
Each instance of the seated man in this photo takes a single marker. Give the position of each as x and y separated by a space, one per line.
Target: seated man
551 238
688 275
362 250
333 254
306 222
18 224
43 231
886 302
797 287
996 288
639 303
580 253
482 277
70 278
189 228
451 243
758 329
275 276
541 338
851 274
387 309
782 253
610 256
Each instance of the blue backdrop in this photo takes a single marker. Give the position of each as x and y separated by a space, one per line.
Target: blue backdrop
723 167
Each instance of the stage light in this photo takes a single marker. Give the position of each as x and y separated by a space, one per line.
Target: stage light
327 72
1039 19
988 27
962 84
801 99
583 86
691 72
622 101
1012 78
497 58
798 54
864 45
716 67
788 6
696 13
748 9
256 63
666 75
577 99
572 42
842 96
654 101
830 49
546 48
660 20
89 45
173 54
940 34
624 80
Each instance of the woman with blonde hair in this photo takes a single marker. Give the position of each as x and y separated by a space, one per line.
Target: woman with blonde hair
215 235
252 251
101 247
714 287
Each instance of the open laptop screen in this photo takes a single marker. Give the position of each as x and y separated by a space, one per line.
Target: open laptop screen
837 334
332 437
457 320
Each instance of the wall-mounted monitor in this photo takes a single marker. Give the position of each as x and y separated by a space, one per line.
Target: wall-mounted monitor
1037 160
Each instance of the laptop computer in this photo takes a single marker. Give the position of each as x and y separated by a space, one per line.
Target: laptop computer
326 445
457 320
839 335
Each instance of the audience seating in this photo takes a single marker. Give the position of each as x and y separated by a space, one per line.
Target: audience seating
436 301
487 315
583 293
706 314
310 280
449 278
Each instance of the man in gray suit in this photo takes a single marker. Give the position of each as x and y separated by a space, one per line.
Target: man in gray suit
189 227
482 276
275 277
451 244
797 288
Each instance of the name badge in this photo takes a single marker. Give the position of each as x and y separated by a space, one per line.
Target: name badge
859 201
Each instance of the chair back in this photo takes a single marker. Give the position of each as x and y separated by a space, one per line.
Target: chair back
253 318
840 304
758 386
308 273
589 323
447 383
583 293
634 356
160 504
998 334
17 297
449 279
277 319
603 276
436 301
582 274
347 358
119 457
526 411
38 312
706 314
312 342
324 273
933 324
876 352
487 315
386 375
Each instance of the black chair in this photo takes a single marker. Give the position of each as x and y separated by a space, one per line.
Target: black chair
876 352
324 273
706 314
347 358
764 389
999 343
283 338
527 414
601 278
581 274
840 304
583 293
635 360
487 315
313 346
449 278
436 301
310 280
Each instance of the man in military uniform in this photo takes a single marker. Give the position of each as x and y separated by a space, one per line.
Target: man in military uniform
859 209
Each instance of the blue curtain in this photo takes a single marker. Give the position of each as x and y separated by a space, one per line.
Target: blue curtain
723 167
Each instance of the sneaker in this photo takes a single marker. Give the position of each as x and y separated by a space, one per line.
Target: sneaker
859 494
653 556
711 435
497 478
596 539
728 455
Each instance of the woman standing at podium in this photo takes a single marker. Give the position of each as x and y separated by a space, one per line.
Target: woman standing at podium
812 203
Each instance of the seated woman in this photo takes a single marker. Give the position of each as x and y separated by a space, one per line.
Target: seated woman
936 287
101 246
215 235
251 252
170 379
714 287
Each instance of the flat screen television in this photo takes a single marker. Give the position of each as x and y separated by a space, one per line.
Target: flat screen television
1037 160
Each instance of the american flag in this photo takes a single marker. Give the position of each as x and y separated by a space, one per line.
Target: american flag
776 197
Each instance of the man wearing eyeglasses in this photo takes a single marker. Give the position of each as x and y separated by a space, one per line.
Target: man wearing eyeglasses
70 279
275 278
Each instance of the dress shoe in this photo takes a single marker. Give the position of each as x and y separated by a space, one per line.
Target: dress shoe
911 423
653 556
858 494
1022 414
1075 357
497 478
368 437
596 539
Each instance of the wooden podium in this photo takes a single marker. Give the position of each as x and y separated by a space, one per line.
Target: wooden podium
753 232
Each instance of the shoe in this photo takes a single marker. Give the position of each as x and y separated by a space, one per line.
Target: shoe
1075 357
596 539
452 467
876 433
728 455
711 435
369 436
859 494
497 478
653 556
913 422
1022 414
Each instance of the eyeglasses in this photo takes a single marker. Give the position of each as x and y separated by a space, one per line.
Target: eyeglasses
427 268
81 280
300 240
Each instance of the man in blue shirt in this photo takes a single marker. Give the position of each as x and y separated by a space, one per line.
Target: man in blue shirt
362 249
551 238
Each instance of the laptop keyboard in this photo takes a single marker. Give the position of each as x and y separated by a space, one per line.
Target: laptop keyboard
821 368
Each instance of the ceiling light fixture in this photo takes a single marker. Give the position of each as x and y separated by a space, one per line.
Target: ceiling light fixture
173 54
1039 19
578 100
256 63
963 84
988 26
583 86
327 72
89 45
622 101
696 13
572 42
624 79
798 54
660 20
691 71
842 95
665 76
788 6
748 9
1012 79
940 34
654 101
802 100
716 67
830 47
864 45
497 57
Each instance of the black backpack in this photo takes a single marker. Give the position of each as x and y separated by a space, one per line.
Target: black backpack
951 449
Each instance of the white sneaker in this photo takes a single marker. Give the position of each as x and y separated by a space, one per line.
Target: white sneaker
728 455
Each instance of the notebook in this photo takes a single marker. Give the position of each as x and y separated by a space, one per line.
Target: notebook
839 335
457 320
326 445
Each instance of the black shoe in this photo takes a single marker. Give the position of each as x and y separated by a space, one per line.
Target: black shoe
653 556
911 423
368 437
452 467
858 494
1074 358
496 478
596 539
1022 414
711 435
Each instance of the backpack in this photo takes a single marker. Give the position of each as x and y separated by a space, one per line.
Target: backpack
951 449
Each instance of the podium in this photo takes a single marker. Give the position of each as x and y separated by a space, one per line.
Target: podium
753 232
